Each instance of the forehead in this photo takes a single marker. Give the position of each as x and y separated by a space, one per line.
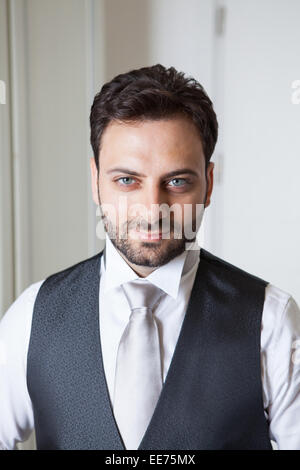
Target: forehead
174 135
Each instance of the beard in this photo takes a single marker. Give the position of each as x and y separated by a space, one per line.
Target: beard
143 253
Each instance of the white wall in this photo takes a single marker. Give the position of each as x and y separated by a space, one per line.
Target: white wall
182 36
260 219
58 133
172 32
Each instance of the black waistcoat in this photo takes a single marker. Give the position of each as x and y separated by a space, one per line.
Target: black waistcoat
212 395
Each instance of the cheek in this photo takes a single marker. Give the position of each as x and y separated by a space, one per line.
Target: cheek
187 213
114 212
107 195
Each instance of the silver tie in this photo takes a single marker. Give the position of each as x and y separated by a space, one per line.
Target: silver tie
138 376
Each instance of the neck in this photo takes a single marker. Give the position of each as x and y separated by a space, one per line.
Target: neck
142 271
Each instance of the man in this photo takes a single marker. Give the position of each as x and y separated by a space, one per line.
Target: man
153 343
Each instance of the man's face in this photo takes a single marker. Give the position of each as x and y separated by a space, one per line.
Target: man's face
146 169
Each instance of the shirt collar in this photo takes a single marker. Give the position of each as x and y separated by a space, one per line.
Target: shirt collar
166 277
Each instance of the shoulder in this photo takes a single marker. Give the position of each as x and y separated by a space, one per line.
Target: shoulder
281 317
67 287
229 271
277 296
15 328
88 267
20 311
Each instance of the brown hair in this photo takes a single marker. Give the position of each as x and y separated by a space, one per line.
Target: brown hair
153 93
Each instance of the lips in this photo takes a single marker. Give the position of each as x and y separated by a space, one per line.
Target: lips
154 236
150 235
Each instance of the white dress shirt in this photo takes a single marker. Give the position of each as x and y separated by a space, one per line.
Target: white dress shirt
280 336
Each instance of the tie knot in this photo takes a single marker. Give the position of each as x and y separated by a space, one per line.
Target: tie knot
141 293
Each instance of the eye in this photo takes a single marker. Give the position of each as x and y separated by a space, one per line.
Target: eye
178 180
125 178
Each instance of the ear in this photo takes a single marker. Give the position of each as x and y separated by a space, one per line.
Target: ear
210 182
94 180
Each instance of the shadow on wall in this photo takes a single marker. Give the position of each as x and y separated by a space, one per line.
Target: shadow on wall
127 35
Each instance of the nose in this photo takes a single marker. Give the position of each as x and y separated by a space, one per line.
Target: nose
153 206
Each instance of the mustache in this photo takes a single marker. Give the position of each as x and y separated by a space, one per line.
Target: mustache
159 226
162 225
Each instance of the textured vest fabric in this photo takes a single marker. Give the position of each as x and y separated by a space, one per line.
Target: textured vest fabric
212 397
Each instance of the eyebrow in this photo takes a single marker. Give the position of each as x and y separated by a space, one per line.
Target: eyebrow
167 175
